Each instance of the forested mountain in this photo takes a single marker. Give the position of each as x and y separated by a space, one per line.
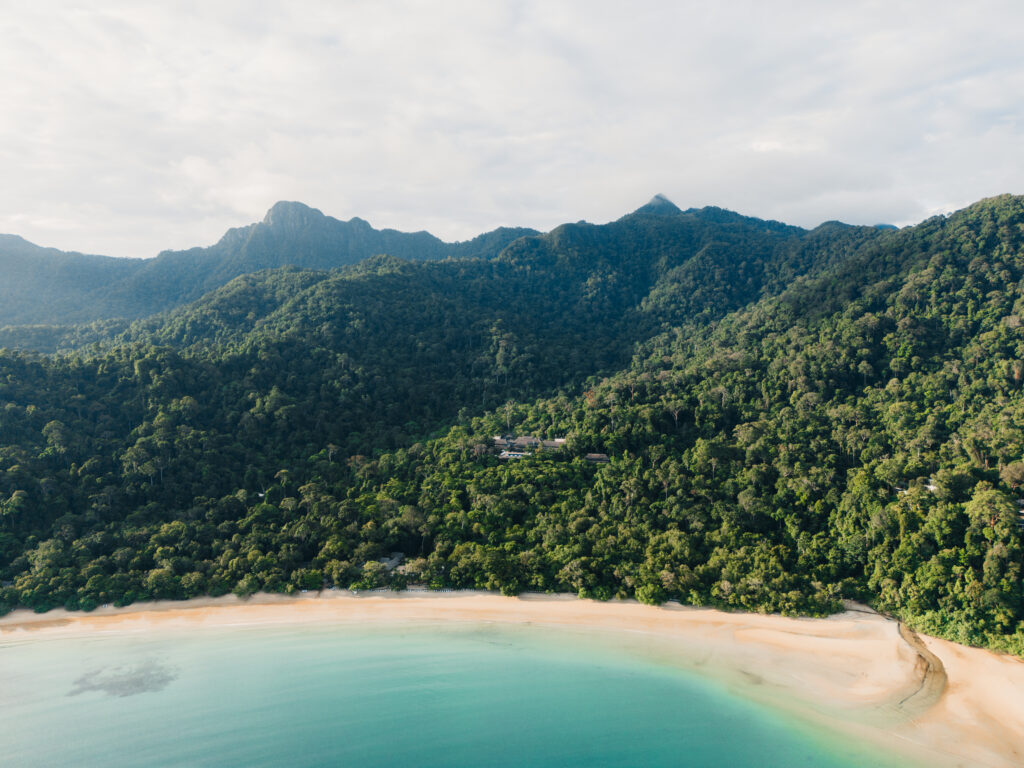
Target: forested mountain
859 435
46 286
658 264
791 417
619 281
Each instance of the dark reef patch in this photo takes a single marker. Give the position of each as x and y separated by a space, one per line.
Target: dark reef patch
148 677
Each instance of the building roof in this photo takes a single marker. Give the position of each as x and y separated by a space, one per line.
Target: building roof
513 454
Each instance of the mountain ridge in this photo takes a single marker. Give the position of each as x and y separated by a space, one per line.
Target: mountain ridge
296 235
290 234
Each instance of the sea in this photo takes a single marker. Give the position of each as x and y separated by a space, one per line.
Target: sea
387 694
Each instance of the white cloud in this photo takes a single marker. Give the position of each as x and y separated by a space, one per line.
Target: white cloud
131 127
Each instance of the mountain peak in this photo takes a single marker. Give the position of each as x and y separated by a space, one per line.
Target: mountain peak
659 205
291 214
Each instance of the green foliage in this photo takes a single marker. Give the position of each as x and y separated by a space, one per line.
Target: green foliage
854 430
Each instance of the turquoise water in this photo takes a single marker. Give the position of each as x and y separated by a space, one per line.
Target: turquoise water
378 695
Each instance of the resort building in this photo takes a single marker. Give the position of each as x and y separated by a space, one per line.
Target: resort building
512 447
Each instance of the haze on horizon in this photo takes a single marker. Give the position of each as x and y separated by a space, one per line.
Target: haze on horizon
130 128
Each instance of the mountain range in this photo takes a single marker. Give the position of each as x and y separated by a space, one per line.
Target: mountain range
52 299
47 286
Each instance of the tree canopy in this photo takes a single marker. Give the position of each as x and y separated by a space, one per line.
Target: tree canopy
791 418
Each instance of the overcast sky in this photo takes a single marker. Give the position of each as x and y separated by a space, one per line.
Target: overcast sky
131 127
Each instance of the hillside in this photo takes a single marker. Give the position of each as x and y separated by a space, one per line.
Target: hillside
858 436
46 286
791 417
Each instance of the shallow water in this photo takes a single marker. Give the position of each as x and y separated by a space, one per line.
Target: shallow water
379 695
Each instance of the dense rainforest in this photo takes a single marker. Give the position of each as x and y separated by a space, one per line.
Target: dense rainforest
790 418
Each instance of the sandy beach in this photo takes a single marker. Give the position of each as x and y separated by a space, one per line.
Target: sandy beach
858 672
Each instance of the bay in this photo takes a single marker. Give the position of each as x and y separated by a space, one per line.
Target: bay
388 694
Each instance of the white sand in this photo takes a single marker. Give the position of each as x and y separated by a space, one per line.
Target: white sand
940 703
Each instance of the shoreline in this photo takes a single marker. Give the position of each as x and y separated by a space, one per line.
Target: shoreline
856 673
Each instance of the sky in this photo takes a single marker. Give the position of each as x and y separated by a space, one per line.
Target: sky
127 128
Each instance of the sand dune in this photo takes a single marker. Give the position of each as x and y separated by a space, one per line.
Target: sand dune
938 702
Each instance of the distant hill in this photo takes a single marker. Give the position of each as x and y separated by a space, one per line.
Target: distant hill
47 286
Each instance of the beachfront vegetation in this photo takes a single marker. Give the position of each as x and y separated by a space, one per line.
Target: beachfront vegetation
792 418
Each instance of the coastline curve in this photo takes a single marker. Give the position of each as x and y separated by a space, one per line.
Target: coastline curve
858 672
